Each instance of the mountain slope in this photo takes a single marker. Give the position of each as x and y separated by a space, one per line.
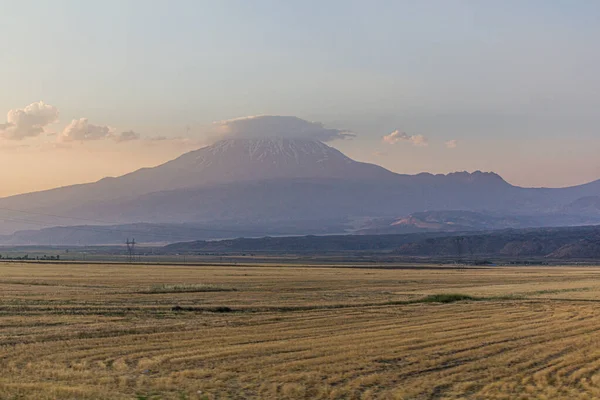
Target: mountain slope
589 205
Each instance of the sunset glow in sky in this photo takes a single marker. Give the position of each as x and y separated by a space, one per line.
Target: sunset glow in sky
94 89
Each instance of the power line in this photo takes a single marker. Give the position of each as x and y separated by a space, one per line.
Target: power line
130 248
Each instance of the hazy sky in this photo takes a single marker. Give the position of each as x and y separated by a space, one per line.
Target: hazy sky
439 86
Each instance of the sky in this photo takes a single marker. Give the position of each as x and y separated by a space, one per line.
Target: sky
93 89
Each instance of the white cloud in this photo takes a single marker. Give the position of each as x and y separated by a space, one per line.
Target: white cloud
279 126
397 136
30 121
126 136
34 120
82 130
451 144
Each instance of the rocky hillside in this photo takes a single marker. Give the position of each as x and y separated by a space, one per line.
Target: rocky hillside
550 243
558 243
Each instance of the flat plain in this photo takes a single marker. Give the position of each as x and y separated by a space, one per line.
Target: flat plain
109 331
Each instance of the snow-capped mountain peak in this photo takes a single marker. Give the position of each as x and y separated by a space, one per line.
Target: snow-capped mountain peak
233 160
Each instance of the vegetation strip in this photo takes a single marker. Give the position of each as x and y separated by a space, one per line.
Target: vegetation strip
443 298
186 288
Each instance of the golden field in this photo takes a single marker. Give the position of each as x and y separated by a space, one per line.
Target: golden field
110 331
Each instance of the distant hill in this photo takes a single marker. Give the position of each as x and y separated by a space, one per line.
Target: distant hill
463 221
445 221
299 244
147 233
551 243
559 243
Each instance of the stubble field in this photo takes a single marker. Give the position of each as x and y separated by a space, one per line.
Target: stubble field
292 332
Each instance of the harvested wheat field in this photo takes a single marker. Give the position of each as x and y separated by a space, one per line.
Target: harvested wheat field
289 332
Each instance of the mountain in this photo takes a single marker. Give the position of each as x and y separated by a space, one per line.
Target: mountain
272 182
225 162
234 160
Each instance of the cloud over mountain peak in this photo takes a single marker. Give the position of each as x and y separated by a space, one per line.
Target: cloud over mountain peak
265 126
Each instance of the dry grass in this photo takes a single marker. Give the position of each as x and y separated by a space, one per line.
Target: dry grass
97 332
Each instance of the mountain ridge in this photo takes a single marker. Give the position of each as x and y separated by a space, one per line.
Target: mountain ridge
275 179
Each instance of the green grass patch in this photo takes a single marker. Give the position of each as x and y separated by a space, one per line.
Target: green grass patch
554 291
443 298
446 298
454 297
187 288
206 309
